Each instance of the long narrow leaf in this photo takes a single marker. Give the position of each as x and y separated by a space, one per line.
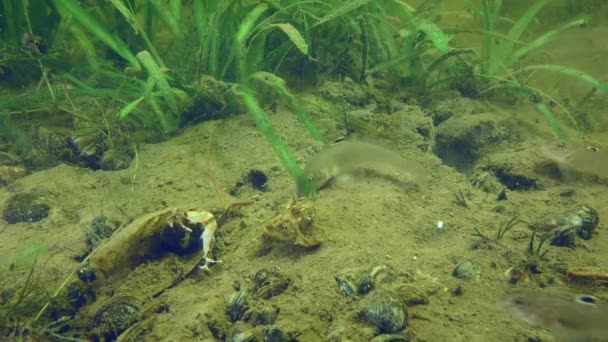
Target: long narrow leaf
585 77
294 35
159 78
126 110
542 40
346 7
69 8
280 86
304 184
515 33
242 34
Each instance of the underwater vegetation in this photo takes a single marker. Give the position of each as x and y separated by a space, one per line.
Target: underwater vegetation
155 67
85 82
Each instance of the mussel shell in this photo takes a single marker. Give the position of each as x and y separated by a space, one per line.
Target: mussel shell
269 283
346 287
238 305
116 316
385 310
589 221
365 284
241 332
567 226
374 275
274 334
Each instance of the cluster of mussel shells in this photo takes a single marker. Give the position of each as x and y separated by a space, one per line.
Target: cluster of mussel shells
383 308
85 147
252 317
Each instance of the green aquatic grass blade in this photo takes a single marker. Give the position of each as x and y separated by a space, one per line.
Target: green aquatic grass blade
170 15
518 28
201 19
176 9
163 120
468 5
294 35
159 79
256 52
219 24
280 86
435 34
405 5
382 34
441 59
489 22
70 8
244 31
345 8
132 19
542 40
12 16
551 120
428 7
303 184
392 63
585 77
497 10
87 46
524 21
537 97
248 23
126 110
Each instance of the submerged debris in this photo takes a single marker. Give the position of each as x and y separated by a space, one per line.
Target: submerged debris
566 226
296 225
25 207
149 237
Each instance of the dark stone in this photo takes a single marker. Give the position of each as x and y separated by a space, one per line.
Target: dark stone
516 182
76 296
25 207
257 179
86 274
